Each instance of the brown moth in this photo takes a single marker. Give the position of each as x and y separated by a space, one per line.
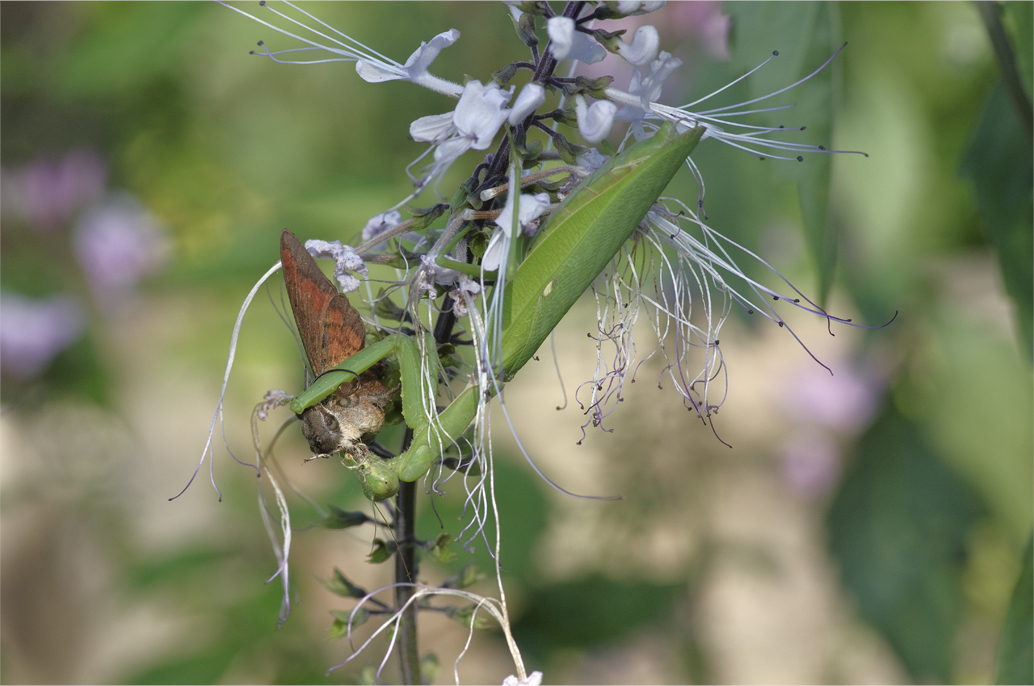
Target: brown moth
331 331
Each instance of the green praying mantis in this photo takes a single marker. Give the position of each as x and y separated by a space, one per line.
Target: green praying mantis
578 240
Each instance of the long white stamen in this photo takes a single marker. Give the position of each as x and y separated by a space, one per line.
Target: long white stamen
349 54
217 417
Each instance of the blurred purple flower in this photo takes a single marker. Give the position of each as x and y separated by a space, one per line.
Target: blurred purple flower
47 194
811 464
118 243
825 410
844 402
32 331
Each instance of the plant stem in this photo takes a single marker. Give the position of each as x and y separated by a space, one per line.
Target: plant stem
405 576
405 534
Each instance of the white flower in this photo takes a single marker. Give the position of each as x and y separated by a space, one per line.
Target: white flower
473 124
480 113
648 87
270 401
567 43
528 101
380 224
531 208
466 287
440 275
515 10
345 260
434 128
415 69
594 121
638 7
643 48
592 160
432 273
371 66
498 246
534 679
385 221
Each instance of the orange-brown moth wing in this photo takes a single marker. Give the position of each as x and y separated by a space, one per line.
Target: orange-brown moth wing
330 328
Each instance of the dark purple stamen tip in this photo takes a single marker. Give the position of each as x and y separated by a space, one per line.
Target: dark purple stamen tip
750 311
782 324
262 3
822 147
803 127
800 158
775 53
775 297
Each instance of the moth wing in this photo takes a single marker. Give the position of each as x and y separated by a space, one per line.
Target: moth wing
343 332
330 328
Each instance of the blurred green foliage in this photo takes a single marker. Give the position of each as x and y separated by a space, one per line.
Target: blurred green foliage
1015 663
815 26
227 149
897 527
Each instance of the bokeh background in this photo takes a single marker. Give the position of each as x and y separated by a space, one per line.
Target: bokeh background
867 526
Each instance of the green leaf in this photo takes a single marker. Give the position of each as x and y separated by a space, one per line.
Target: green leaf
583 235
1015 664
897 528
1019 20
806 34
439 550
429 668
467 617
591 611
341 586
381 551
340 519
1001 166
339 628
468 576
